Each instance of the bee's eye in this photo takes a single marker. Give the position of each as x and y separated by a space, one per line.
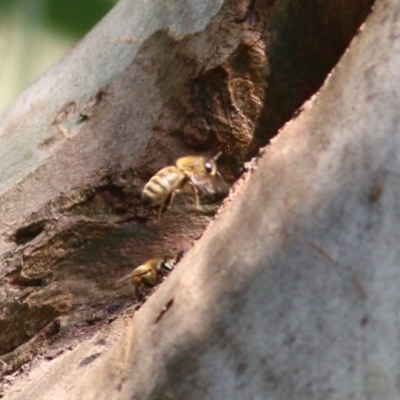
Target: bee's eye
209 167
166 266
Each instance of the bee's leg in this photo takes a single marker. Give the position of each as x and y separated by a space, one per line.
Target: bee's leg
137 293
188 186
167 203
171 198
196 196
163 208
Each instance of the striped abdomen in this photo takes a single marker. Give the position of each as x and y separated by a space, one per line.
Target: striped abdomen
159 188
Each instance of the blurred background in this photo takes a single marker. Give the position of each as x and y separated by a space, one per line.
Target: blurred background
34 34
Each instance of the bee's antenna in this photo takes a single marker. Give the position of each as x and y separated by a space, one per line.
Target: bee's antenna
218 155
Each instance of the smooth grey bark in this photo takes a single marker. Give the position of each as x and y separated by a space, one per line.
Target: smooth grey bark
299 300
291 292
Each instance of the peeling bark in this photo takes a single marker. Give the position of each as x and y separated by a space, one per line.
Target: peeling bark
146 86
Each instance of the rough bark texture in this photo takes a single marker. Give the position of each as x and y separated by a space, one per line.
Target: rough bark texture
281 297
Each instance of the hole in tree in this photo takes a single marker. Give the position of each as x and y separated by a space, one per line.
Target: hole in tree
29 232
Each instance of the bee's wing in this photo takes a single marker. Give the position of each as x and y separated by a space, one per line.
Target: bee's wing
137 272
204 183
140 273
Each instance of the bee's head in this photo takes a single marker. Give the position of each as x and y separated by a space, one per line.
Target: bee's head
211 165
168 264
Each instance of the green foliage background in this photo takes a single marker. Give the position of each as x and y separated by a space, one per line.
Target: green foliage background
34 34
72 17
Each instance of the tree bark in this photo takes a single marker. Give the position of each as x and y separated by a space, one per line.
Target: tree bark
287 294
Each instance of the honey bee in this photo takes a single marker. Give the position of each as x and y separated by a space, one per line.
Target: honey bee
192 172
149 274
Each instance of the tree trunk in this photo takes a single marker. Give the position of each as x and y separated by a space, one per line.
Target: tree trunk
291 292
